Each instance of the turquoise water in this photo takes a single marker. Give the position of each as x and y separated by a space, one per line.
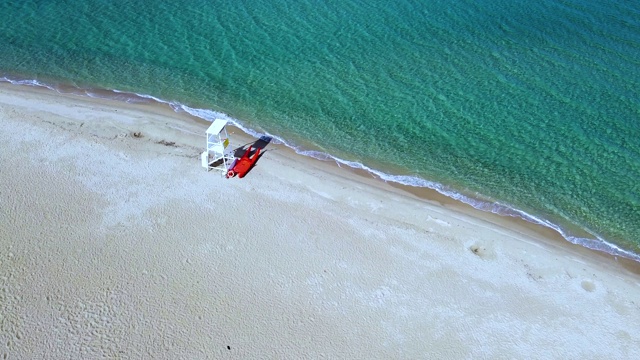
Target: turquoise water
524 108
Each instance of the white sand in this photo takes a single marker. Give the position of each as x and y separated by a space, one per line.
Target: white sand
121 247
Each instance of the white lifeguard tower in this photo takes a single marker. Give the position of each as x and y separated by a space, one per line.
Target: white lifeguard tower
218 149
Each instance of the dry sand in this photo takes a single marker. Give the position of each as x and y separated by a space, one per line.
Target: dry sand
124 247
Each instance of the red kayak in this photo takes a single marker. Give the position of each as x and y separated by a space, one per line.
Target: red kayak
244 164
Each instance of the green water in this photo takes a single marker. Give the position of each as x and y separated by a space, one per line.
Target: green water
522 108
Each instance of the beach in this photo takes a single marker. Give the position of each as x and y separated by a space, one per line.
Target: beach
116 243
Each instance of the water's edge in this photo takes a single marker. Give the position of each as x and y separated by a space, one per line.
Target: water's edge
596 243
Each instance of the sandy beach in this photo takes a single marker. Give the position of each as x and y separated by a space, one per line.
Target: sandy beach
121 246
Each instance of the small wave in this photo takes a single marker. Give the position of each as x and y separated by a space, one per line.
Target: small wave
75 90
27 82
598 243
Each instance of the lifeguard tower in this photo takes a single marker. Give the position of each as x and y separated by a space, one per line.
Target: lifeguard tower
218 155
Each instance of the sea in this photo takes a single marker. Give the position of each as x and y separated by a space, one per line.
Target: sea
522 108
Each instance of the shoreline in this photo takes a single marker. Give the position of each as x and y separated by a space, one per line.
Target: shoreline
125 245
630 259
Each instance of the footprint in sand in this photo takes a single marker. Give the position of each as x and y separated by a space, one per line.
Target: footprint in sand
483 251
